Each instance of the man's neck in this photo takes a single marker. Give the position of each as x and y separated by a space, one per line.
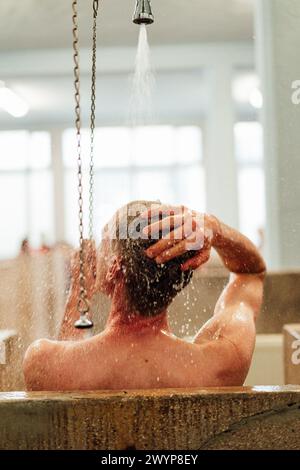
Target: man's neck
123 319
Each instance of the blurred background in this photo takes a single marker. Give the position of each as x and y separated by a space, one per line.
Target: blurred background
204 146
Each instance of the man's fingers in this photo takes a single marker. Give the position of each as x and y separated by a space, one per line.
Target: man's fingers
193 241
159 247
173 252
197 261
168 223
202 257
162 225
169 240
182 247
181 232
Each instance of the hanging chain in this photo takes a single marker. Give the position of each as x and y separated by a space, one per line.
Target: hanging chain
92 122
83 304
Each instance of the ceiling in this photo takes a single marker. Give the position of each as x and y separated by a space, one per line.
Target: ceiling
31 24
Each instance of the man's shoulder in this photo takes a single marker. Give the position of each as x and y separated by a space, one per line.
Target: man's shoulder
35 364
40 354
40 347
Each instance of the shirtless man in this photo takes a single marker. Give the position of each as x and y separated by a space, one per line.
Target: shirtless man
142 276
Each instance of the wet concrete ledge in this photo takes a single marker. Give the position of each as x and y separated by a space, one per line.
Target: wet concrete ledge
225 418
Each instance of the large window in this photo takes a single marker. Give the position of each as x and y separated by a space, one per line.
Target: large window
251 187
25 190
153 162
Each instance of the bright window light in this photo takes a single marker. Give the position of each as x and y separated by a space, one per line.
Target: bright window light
246 89
256 99
251 185
26 190
249 142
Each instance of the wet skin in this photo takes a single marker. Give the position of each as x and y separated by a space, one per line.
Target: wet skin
134 352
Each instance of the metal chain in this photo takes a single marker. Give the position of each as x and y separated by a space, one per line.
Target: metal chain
92 122
83 304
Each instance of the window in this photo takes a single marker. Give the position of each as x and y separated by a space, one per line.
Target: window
25 190
153 162
251 186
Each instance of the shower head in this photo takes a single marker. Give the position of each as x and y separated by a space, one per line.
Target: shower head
143 12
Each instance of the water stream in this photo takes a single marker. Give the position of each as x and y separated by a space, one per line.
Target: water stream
141 108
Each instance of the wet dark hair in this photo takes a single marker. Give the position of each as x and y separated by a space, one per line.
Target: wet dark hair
150 287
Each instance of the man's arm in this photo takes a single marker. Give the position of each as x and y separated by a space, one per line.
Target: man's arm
244 292
237 309
237 252
232 327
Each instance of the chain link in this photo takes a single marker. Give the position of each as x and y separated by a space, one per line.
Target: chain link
83 304
92 122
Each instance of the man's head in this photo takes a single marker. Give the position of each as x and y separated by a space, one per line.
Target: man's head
149 287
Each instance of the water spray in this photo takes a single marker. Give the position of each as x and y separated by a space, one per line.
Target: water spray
143 12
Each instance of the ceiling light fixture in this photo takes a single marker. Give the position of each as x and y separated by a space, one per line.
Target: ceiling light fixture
11 102
256 98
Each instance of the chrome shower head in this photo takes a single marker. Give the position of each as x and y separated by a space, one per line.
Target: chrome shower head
143 12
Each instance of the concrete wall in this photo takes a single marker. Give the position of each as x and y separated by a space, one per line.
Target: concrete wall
267 365
277 43
291 335
238 418
11 377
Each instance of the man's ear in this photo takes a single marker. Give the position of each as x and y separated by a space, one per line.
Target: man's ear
114 269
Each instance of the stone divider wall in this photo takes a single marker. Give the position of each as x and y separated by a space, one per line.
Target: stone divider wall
227 418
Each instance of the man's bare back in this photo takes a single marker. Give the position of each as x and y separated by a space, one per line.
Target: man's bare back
137 352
